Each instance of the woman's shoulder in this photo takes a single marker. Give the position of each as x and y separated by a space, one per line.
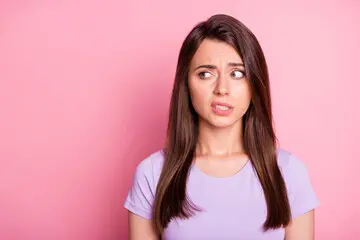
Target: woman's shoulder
151 165
142 191
154 160
298 182
292 167
287 161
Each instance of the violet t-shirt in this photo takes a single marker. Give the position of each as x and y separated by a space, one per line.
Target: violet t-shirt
232 207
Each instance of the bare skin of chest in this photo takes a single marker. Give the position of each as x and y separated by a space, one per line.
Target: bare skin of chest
221 166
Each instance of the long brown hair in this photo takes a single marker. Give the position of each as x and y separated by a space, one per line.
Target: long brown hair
258 131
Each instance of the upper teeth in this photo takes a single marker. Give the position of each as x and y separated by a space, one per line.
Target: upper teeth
222 107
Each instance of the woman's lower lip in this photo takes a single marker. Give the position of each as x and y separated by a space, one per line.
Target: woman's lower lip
221 112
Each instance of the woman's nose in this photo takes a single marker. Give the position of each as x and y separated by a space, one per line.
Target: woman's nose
222 86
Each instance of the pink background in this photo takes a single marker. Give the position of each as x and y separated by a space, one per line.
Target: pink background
84 90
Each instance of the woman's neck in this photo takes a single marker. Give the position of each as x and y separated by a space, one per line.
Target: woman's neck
219 141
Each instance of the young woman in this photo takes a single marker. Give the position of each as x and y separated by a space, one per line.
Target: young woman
221 175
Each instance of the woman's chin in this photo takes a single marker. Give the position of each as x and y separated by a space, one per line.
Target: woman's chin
222 123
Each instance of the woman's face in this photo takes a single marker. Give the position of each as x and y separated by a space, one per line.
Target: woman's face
219 90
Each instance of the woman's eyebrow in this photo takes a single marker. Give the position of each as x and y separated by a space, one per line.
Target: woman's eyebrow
231 64
206 66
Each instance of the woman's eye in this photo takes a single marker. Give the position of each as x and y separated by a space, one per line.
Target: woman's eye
237 74
204 75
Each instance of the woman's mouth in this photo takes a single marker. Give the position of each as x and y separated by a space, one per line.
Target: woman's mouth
221 108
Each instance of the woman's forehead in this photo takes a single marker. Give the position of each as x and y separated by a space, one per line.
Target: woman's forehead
215 52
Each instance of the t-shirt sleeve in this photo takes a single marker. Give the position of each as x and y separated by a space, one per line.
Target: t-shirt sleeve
302 196
141 195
